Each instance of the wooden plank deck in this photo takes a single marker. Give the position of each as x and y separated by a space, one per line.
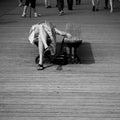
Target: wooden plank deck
86 91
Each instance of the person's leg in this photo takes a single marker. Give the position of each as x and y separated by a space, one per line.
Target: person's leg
106 4
97 5
62 1
93 4
33 6
39 58
25 8
49 4
111 5
20 3
43 37
24 11
40 64
79 2
40 47
70 4
61 7
46 3
42 44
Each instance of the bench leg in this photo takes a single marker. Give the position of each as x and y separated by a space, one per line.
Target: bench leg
76 58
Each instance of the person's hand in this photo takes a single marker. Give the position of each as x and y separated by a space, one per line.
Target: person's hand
68 35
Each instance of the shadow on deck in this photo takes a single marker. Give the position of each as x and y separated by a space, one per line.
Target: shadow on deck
84 52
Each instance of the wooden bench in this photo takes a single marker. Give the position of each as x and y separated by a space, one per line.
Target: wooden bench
72 45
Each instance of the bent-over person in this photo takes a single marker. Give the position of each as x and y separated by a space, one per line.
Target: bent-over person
39 34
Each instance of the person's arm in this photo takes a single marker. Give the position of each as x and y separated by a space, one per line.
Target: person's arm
62 33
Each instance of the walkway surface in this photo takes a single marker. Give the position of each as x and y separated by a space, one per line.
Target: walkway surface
86 91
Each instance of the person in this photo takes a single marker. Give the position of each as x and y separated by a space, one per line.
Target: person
20 3
111 5
48 3
95 4
40 34
32 4
60 4
70 4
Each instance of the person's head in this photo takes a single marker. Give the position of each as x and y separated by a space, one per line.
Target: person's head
49 26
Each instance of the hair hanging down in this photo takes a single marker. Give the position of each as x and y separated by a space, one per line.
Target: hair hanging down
50 24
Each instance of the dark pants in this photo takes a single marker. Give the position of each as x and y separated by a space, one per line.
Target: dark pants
78 2
60 4
32 2
106 3
70 4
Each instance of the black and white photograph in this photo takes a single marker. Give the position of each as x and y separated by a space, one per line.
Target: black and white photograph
59 59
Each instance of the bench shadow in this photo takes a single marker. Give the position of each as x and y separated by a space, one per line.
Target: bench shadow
85 53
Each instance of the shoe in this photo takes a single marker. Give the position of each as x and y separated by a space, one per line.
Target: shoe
106 8
23 15
70 9
97 9
37 15
40 67
48 6
93 9
111 10
61 13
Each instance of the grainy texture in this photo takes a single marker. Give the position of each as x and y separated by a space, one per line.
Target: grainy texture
86 91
